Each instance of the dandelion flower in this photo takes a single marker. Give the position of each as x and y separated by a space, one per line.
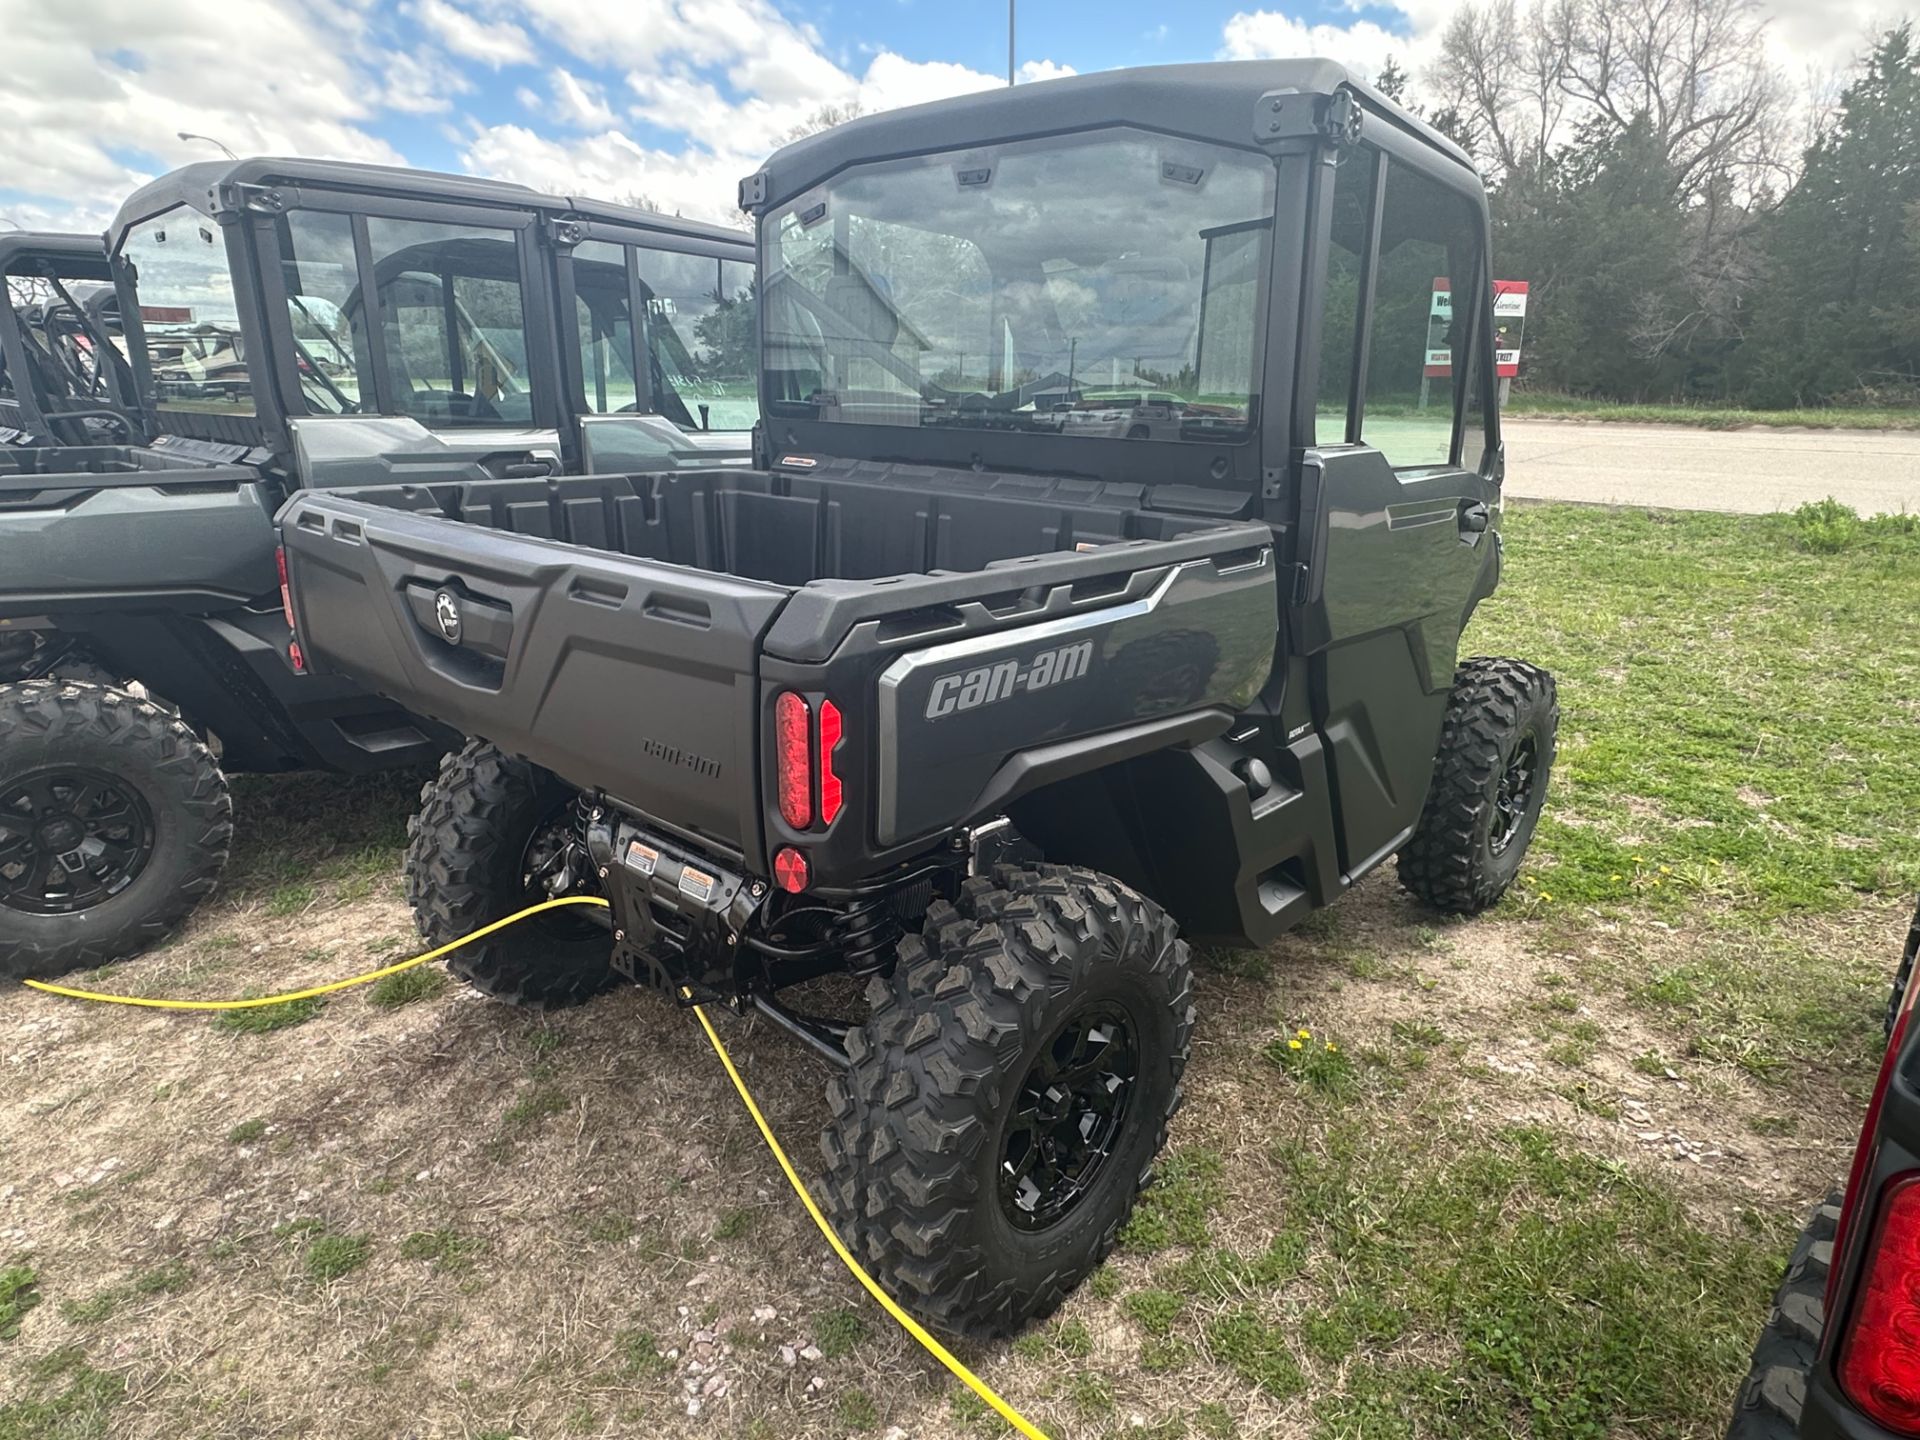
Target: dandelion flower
1304 1033
1545 896
1614 878
1332 1049
1666 869
1293 1044
1656 884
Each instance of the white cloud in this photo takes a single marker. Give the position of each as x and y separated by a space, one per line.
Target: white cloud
75 114
581 104
421 84
1043 70
492 42
1363 47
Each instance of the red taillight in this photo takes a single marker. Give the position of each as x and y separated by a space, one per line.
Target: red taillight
295 658
832 795
1880 1355
790 870
286 590
792 724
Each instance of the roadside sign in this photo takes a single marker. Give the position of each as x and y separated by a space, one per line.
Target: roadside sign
1509 320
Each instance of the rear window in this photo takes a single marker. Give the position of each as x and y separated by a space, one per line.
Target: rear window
189 315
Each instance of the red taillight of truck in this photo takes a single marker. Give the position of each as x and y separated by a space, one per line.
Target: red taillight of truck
793 759
1879 1364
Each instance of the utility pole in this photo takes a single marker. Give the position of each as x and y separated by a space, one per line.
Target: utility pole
1010 5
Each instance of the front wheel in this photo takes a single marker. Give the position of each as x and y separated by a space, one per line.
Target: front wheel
1008 1094
115 823
491 837
1489 785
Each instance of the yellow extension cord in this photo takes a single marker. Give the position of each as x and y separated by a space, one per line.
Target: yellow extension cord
913 1327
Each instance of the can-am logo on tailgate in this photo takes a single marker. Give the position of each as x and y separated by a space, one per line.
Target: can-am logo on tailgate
984 684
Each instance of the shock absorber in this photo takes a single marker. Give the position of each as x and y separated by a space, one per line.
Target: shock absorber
869 929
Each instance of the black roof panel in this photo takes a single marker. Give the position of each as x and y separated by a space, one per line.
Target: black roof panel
198 185
75 257
1210 101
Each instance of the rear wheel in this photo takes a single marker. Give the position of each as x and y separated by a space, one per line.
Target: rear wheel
492 836
1489 785
115 823
1008 1094
1769 1403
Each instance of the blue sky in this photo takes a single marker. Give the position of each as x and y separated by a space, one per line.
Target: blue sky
666 100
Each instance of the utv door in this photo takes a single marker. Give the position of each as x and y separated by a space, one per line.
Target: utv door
659 347
1400 491
409 339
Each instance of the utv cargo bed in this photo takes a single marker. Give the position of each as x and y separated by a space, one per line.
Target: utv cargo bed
76 513
978 634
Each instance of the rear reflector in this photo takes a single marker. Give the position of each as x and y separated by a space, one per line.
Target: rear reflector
793 759
831 794
790 870
286 590
1880 1357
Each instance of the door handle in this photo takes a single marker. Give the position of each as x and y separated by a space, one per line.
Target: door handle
1474 517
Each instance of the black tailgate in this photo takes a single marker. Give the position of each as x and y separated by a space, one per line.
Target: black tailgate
618 674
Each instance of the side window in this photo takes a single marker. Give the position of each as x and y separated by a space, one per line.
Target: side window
702 338
451 323
1346 260
189 314
1429 245
603 327
325 310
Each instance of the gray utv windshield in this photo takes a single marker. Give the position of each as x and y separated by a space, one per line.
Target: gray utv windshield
1103 285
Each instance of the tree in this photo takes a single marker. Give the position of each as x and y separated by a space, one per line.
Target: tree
1838 314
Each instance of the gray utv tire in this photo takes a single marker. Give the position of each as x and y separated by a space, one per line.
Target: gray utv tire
1489 785
1770 1400
466 852
995 1023
115 823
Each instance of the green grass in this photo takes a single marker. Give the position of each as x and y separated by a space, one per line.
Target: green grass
1737 697
19 1293
1522 404
1737 706
64 1398
247 1131
838 1332
449 1250
422 982
261 1019
1569 1290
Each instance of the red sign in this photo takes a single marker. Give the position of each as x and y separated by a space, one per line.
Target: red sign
167 314
1509 319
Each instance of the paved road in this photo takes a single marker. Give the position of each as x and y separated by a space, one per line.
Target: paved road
1756 470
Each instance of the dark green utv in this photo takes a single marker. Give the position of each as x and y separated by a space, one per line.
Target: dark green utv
1100 582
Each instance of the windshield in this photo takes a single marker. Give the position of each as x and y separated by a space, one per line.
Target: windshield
1102 285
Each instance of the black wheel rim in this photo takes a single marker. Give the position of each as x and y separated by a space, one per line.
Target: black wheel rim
1514 795
1068 1116
70 839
